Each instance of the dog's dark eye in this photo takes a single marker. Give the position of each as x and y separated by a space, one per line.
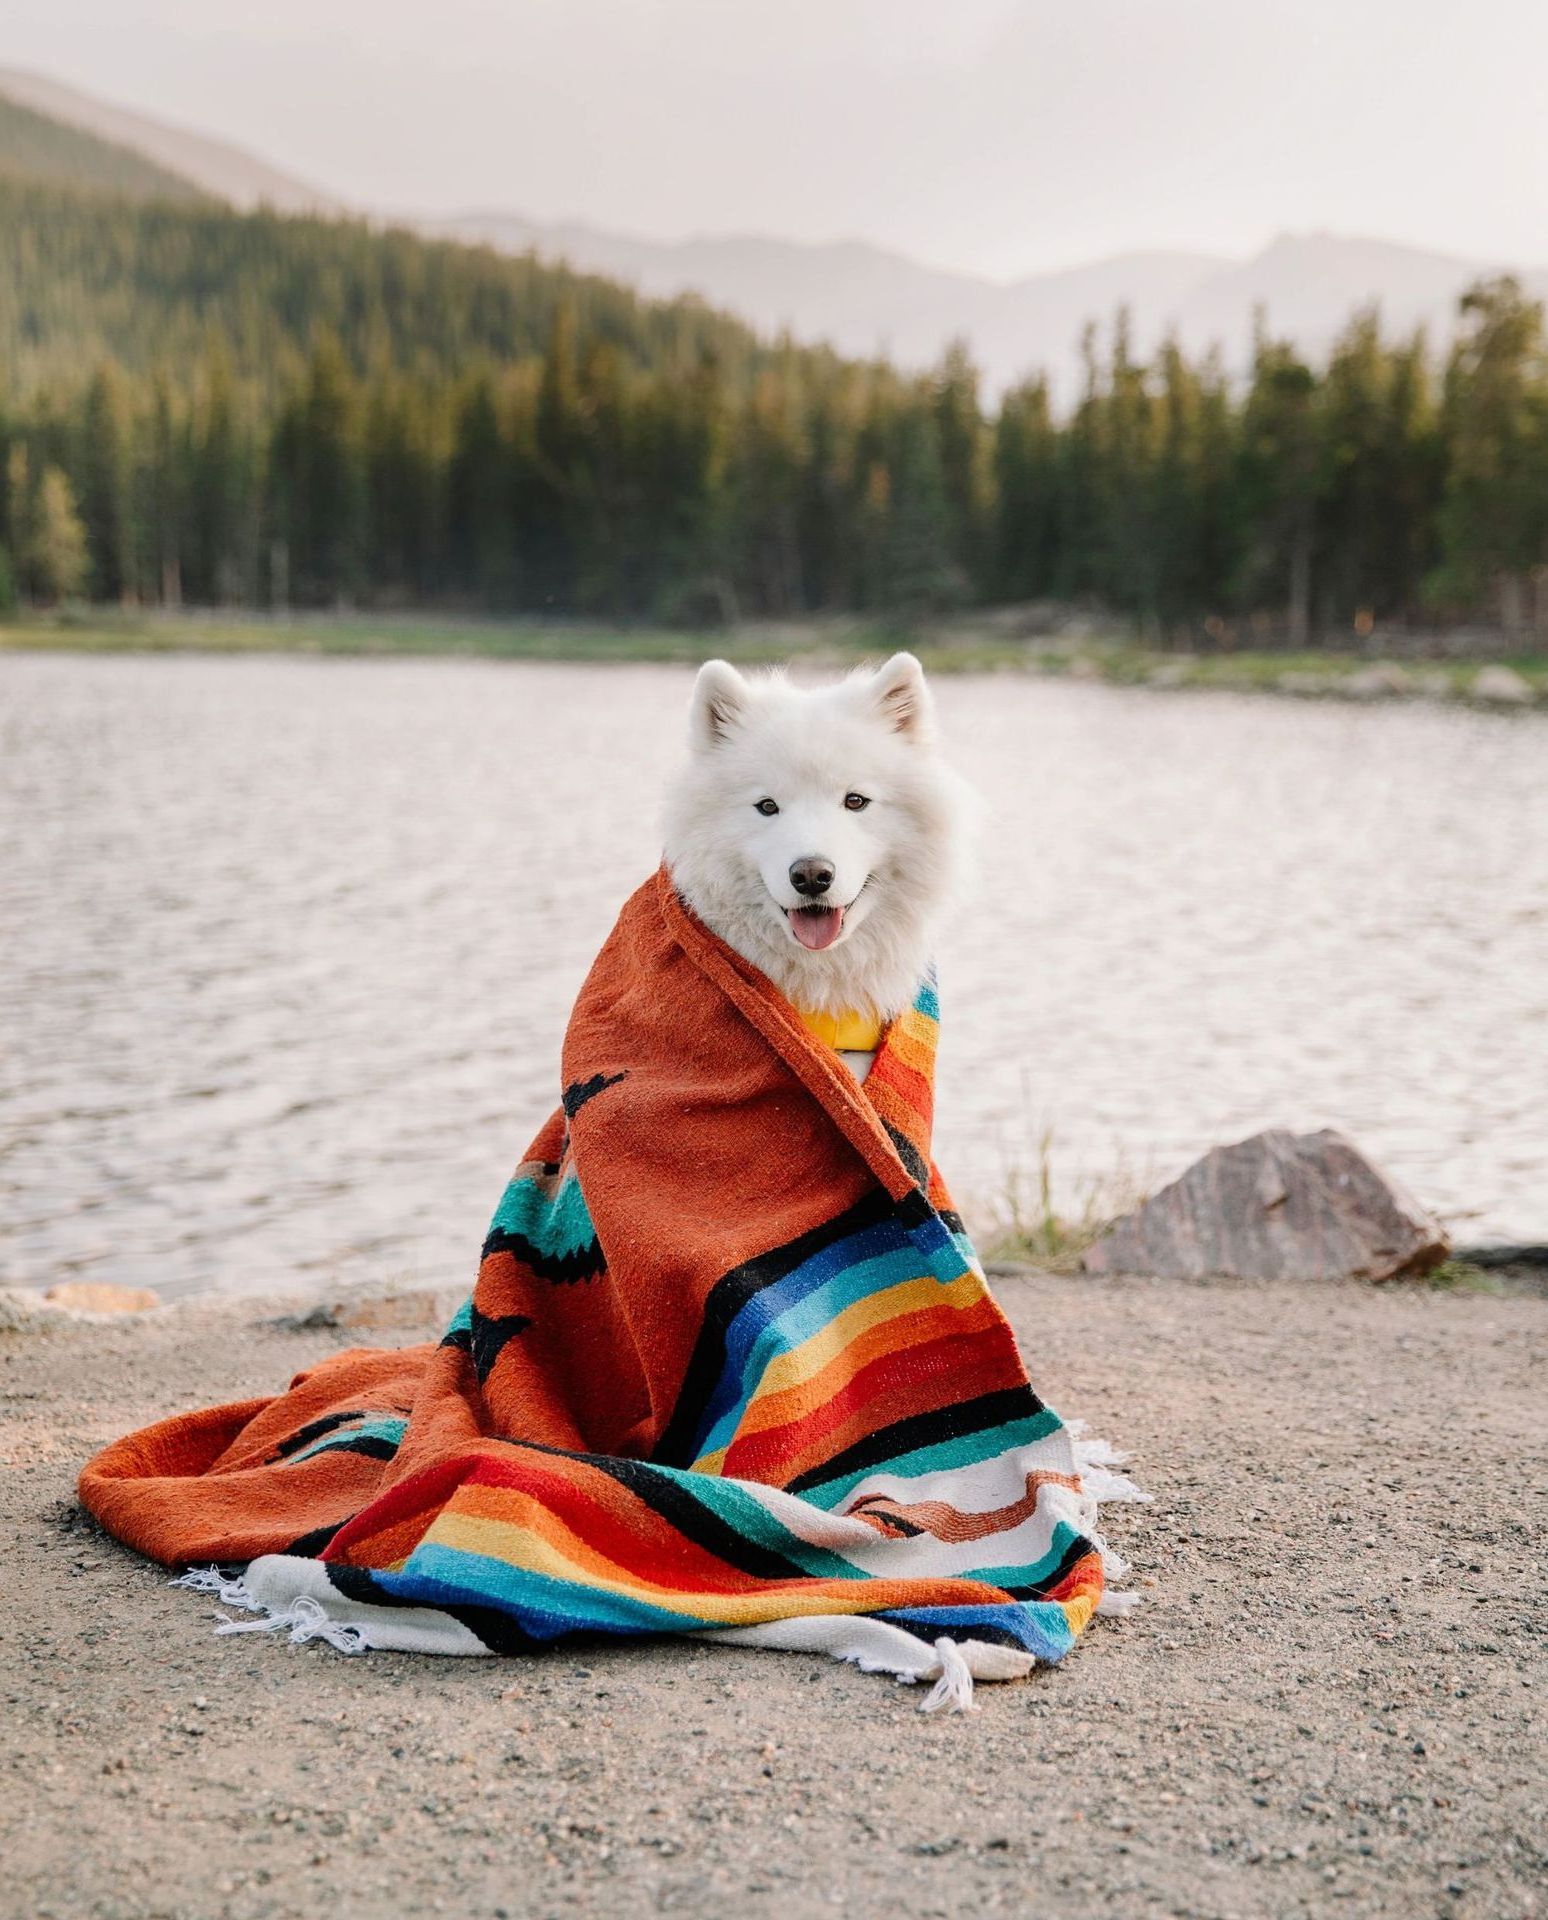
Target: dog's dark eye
767 806
857 802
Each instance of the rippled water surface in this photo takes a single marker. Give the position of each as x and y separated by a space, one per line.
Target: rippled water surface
287 945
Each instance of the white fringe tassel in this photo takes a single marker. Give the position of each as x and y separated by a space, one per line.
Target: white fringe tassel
954 1688
304 1619
1097 1462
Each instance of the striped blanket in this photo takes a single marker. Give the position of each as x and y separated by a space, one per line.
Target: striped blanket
730 1368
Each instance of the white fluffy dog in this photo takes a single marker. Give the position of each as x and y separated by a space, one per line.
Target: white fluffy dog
818 832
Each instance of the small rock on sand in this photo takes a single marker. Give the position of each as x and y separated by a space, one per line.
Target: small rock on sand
1502 686
405 1310
1308 685
100 1296
1379 681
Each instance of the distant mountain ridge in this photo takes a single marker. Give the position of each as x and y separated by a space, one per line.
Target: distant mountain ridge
860 298
865 300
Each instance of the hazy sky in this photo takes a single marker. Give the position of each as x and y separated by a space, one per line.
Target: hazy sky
998 136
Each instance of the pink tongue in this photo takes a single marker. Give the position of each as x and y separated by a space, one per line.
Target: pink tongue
817 930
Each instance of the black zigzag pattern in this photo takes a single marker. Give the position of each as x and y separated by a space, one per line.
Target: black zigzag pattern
559 1269
579 1092
487 1339
314 1430
312 1546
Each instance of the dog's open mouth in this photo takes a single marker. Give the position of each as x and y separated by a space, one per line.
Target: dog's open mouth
816 927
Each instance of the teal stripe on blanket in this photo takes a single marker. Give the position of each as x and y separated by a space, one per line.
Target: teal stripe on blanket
752 1520
1032 1573
389 1427
539 1602
555 1221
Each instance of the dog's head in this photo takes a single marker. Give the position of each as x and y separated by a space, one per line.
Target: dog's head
814 830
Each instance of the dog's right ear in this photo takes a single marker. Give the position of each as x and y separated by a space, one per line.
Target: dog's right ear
719 703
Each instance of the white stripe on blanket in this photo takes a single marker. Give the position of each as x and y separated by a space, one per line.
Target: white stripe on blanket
293 1595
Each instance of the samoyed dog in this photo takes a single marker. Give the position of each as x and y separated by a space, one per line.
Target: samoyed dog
818 831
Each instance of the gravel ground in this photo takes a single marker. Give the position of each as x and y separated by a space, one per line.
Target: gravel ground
1329 1704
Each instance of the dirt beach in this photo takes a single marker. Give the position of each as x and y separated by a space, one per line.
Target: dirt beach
1330 1702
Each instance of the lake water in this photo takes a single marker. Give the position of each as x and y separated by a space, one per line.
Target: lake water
287 945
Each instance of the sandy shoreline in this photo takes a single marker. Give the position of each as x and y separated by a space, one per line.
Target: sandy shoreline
1504 675
1331 1701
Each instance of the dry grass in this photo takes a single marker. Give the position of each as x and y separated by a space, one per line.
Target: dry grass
1029 1228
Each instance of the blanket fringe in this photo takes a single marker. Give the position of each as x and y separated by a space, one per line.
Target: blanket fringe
954 1688
1096 1461
304 1619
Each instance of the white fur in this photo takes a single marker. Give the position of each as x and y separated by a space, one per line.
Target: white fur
896 863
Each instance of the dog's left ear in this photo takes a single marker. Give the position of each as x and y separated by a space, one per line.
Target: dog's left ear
899 694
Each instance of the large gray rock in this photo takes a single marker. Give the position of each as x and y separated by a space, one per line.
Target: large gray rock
1280 1206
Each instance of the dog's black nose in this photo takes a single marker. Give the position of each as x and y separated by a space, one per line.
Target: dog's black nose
811 877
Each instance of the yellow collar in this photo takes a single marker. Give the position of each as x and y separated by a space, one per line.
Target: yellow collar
845 1032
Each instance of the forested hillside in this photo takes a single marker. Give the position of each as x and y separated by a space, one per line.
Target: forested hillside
86 276
203 406
215 169
35 147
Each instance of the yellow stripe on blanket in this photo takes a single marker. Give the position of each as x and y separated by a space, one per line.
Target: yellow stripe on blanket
828 1342
519 1547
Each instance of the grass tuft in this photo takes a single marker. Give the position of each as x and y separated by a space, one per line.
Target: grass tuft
1028 1228
1461 1276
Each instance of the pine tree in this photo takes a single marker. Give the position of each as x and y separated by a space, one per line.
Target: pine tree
481 532
1026 495
964 463
768 474
1279 481
405 484
104 478
1082 534
1130 558
222 491
1220 533
159 495
549 498
827 514
56 561
1494 518
919 575
1177 504
1374 498
685 436
318 481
